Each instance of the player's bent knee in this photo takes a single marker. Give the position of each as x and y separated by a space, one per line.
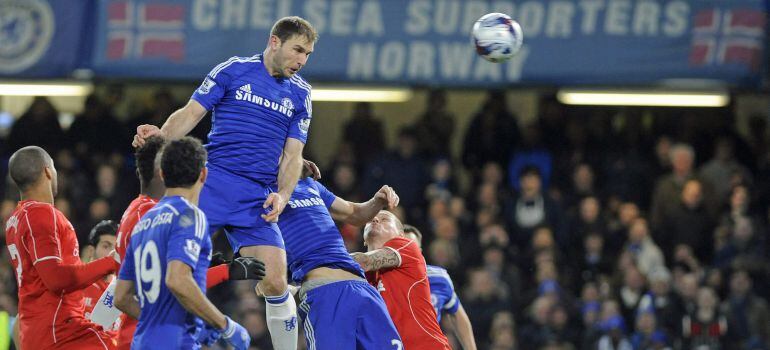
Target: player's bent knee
273 285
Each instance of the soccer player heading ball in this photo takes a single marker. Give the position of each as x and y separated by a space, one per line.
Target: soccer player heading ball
262 114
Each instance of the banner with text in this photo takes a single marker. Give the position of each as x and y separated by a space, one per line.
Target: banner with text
428 41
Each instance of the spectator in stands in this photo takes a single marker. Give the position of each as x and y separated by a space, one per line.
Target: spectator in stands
614 337
491 135
586 219
647 335
442 183
582 185
662 301
483 298
688 223
748 316
593 262
365 134
532 208
402 168
742 231
644 252
39 126
630 293
723 169
96 132
705 327
503 331
619 225
435 126
669 187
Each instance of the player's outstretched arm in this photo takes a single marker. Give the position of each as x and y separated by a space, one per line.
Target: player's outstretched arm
359 214
463 328
179 124
61 278
289 171
378 259
125 298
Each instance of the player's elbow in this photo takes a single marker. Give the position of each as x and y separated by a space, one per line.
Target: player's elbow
175 283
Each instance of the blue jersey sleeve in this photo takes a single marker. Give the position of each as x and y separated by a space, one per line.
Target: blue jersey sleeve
186 237
453 304
127 266
300 122
327 196
214 85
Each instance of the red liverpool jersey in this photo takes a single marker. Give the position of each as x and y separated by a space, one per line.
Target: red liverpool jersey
131 216
407 294
91 295
38 232
138 207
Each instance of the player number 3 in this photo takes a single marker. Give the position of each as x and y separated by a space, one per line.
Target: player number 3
147 269
397 343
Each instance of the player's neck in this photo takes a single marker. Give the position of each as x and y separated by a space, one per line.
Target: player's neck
38 194
190 194
154 190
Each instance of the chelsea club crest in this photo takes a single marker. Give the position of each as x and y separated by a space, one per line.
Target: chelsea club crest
26 29
286 102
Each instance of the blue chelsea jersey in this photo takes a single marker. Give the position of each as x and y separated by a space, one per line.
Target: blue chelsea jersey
172 230
311 237
253 114
442 291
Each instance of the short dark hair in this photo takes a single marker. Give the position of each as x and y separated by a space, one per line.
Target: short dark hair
413 230
288 27
530 170
145 158
26 165
104 227
182 162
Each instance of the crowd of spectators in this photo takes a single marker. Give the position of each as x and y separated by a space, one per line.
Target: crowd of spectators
589 228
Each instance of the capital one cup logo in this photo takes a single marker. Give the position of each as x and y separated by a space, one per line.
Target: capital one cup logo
26 29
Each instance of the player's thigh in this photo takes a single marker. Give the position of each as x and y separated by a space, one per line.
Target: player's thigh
375 328
274 258
329 317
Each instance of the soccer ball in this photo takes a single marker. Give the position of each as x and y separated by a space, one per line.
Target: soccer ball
497 37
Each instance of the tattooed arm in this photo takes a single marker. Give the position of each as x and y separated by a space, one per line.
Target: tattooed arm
378 259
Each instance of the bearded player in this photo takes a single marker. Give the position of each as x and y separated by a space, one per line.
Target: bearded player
101 241
396 267
261 117
45 255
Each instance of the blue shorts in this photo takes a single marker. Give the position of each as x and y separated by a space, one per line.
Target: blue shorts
347 315
235 204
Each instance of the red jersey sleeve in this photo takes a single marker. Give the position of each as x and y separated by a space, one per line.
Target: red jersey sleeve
43 242
407 250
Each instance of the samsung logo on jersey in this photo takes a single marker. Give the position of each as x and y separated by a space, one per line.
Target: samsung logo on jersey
282 108
302 203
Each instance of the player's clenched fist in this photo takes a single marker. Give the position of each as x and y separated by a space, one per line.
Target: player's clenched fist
143 132
388 196
276 202
236 335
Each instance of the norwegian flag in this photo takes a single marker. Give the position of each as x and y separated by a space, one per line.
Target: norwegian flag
145 30
728 37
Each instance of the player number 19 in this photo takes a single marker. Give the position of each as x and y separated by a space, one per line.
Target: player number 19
144 256
16 256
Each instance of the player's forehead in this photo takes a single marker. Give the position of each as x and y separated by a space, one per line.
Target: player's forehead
299 40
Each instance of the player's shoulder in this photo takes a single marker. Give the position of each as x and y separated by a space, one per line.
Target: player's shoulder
38 209
236 65
301 85
439 274
399 243
436 270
